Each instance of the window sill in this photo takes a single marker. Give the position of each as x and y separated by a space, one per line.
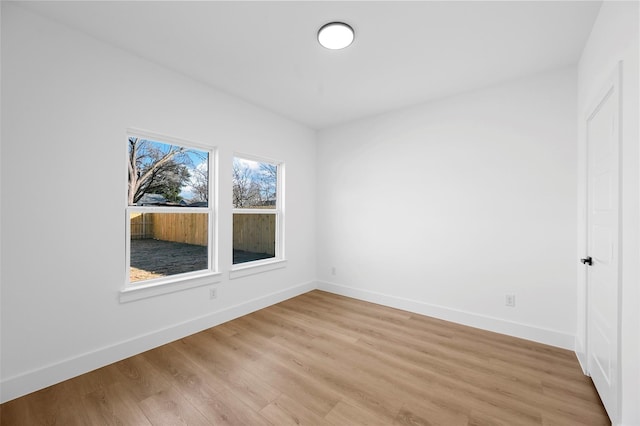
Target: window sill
152 289
257 267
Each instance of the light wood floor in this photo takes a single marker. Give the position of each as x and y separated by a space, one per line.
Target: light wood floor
322 359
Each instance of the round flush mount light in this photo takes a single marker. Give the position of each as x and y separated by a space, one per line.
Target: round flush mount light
335 35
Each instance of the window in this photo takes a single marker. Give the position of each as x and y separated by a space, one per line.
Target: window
257 211
169 226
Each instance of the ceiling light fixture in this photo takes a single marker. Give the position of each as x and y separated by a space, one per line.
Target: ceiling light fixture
335 35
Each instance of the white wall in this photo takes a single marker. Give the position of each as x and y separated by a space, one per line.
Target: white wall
67 101
615 38
441 208
446 207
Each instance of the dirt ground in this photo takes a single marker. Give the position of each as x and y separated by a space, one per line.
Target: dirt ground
155 258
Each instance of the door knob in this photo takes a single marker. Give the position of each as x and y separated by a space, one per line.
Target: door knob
587 260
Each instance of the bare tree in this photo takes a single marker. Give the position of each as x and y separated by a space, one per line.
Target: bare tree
153 170
200 184
268 182
246 190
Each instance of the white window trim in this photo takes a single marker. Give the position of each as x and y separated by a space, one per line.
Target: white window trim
170 284
256 267
160 286
244 269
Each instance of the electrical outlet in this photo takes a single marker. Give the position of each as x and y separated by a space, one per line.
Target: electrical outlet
333 270
510 300
213 293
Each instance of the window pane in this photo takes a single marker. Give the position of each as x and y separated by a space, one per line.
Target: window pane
161 174
164 244
254 184
254 237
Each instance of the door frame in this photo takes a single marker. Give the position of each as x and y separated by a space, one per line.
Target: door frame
613 82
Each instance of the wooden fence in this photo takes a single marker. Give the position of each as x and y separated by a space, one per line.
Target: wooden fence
255 233
141 226
188 228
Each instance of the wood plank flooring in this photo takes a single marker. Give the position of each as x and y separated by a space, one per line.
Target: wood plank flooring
323 359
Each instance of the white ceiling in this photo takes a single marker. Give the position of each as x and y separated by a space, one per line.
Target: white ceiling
404 52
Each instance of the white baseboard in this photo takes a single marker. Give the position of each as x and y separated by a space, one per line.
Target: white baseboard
498 325
16 386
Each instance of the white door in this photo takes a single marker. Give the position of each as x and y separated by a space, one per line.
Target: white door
603 236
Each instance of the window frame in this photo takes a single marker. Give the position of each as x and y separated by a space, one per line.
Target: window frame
182 281
278 261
